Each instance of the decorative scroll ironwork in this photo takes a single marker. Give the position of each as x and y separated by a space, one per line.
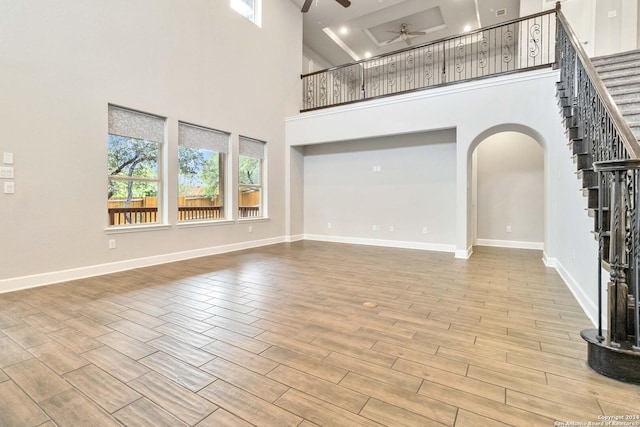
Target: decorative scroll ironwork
459 58
428 64
409 69
507 46
391 71
484 52
534 40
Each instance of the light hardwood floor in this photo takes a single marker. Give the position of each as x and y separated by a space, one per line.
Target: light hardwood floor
279 336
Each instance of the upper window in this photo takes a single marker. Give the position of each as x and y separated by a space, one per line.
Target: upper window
201 165
250 9
134 151
250 185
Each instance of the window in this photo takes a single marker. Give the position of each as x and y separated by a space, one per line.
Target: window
250 186
134 150
201 165
250 9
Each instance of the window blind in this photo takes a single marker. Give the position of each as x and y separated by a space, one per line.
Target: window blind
133 124
202 138
251 148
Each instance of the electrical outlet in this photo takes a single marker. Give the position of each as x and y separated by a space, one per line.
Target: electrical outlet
250 229
112 243
7 158
391 228
328 225
375 227
9 187
424 230
508 229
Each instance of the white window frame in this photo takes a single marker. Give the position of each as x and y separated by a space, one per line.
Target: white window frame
253 13
130 123
247 147
213 140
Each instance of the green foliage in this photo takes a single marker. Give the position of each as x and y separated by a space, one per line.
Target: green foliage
135 158
249 172
210 176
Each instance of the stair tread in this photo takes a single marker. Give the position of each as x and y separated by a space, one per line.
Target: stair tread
623 72
621 81
624 91
616 57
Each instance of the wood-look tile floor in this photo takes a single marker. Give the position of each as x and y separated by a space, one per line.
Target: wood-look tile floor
279 336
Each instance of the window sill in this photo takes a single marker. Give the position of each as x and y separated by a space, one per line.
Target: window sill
186 224
260 219
136 228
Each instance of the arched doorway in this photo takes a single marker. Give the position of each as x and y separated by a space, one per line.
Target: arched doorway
507 188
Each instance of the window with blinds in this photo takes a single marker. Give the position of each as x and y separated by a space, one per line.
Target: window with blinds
250 178
133 151
202 154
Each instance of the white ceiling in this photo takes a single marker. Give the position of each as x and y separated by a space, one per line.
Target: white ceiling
370 24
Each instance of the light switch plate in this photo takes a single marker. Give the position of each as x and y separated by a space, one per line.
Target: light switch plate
9 187
7 158
6 171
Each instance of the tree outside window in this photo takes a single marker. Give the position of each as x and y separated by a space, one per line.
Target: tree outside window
201 160
250 176
133 154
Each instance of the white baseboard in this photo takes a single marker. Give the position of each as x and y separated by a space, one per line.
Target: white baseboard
436 247
510 244
36 280
589 306
464 254
549 262
294 238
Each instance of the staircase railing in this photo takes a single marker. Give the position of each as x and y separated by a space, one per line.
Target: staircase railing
519 45
610 152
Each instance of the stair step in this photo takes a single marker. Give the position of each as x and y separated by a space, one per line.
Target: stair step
580 146
630 82
591 194
627 101
617 57
589 177
583 161
625 72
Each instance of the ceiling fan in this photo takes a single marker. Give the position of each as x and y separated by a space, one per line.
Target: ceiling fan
404 34
307 4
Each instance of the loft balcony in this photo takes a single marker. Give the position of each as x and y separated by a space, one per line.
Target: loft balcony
522 44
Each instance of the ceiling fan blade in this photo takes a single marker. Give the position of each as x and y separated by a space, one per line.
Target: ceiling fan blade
344 3
306 5
416 33
393 39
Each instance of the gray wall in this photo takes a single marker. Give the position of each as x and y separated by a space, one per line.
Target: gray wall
414 188
63 62
510 180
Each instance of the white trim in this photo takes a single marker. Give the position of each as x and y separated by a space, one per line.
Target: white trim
510 244
36 280
191 224
436 247
136 228
294 238
464 253
549 262
589 307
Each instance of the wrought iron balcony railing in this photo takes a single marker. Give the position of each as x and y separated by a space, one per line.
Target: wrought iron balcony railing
522 44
